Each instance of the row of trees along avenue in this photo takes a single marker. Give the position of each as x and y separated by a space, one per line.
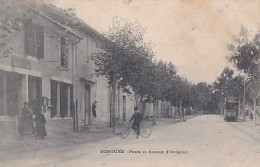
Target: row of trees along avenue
127 61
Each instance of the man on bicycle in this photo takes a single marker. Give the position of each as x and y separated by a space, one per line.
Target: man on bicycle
137 117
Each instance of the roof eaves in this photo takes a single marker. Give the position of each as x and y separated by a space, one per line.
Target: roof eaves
92 31
52 20
81 23
53 7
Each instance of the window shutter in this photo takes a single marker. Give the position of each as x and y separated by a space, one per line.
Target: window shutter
64 54
26 37
29 37
39 41
32 42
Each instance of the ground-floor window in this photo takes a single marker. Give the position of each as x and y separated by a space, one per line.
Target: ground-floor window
54 98
61 99
10 84
64 99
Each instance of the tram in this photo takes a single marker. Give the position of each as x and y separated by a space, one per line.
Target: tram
231 109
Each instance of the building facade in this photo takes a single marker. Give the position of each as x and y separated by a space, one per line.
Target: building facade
89 87
51 64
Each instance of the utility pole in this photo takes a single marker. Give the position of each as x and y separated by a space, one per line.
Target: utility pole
244 100
75 103
244 97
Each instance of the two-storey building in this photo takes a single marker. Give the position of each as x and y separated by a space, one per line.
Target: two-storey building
51 63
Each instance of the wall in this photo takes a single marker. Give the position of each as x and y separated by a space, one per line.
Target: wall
99 85
46 68
130 104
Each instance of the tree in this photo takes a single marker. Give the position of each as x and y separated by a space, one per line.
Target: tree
213 100
163 80
225 83
228 85
122 56
140 79
245 56
11 21
202 96
244 51
180 92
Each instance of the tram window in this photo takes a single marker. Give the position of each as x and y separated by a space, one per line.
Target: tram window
231 106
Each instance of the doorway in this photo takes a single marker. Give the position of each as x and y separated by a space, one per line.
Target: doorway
34 88
87 105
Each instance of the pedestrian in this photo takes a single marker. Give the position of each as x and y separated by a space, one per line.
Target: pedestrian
183 114
36 107
94 106
137 117
154 120
40 125
25 126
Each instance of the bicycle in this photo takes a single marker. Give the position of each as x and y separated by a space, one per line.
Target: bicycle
144 131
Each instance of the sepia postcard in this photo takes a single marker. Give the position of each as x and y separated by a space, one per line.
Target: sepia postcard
123 83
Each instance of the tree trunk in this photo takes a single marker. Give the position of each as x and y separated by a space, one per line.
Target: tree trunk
181 109
175 111
154 114
141 106
156 108
254 101
239 108
113 102
137 103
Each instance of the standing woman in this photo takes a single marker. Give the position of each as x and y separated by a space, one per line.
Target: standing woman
26 121
40 125
36 107
94 106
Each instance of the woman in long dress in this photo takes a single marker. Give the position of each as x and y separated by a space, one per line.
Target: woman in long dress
26 121
40 125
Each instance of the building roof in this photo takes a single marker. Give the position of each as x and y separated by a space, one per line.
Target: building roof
46 16
73 20
66 20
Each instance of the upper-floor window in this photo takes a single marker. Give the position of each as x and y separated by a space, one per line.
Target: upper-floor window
34 40
87 45
64 53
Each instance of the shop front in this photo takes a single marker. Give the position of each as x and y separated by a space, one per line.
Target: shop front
15 88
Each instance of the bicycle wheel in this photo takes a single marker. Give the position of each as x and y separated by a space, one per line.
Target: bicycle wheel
145 131
125 133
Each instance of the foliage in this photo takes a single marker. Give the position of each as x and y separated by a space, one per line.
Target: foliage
223 85
201 96
122 57
229 85
244 51
124 54
11 21
163 80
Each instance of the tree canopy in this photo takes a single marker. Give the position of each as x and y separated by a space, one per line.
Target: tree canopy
245 51
124 53
11 21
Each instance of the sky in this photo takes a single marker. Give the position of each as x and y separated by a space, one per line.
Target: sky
192 34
